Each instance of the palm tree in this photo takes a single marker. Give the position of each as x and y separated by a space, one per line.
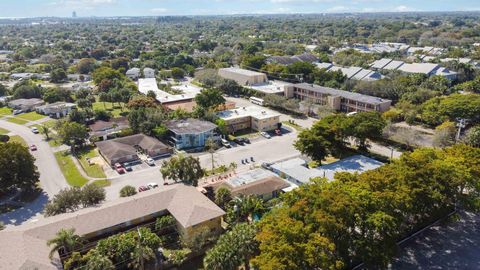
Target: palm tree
244 207
64 242
46 131
141 254
211 146
97 261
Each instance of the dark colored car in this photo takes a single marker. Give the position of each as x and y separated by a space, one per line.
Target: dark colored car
245 140
238 141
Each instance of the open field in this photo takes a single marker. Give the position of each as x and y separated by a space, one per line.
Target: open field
92 170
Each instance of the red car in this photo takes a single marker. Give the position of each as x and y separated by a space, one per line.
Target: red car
278 132
143 188
33 147
119 168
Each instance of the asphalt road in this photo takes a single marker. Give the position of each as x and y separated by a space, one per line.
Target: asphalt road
51 177
261 149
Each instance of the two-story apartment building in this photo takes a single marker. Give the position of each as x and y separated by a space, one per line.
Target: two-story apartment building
340 100
25 246
191 133
252 117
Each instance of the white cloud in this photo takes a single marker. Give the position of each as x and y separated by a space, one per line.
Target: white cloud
337 9
158 10
403 8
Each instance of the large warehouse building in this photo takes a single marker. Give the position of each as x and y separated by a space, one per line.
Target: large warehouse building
243 77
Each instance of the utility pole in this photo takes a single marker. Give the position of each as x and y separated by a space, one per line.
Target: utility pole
140 249
460 124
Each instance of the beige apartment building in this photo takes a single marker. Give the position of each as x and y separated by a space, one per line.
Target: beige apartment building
257 119
340 100
243 77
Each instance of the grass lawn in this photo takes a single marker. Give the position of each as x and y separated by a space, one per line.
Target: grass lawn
31 116
5 111
102 183
17 121
69 170
3 131
94 170
54 141
115 109
293 125
18 139
50 123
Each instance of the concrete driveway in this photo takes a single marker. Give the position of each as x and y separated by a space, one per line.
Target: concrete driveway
51 177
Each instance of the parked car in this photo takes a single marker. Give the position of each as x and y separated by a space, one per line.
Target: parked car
33 147
142 188
150 161
245 140
278 132
239 141
15 112
226 143
128 168
265 134
35 130
152 185
119 168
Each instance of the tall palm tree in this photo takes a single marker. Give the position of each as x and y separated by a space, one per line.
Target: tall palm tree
46 131
211 146
141 254
65 241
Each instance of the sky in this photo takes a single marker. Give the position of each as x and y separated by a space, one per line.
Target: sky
87 8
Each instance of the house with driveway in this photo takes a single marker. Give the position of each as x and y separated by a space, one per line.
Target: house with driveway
56 110
191 133
103 130
128 149
25 104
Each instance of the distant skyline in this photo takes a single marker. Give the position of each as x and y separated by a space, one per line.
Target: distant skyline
87 8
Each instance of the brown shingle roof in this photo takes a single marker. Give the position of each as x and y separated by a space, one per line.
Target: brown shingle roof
101 125
121 147
24 247
260 187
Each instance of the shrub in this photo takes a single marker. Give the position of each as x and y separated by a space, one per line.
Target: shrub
128 191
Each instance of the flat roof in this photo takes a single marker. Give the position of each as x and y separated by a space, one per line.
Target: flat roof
342 93
190 126
252 111
424 68
272 87
249 177
242 71
297 168
150 84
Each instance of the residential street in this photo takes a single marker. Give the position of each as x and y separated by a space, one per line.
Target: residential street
51 178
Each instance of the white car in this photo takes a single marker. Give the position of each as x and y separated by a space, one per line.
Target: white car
150 161
226 143
265 134
152 185
35 130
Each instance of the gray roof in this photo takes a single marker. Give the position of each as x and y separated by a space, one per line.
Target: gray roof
393 65
341 93
297 168
121 147
379 64
190 126
424 68
25 246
